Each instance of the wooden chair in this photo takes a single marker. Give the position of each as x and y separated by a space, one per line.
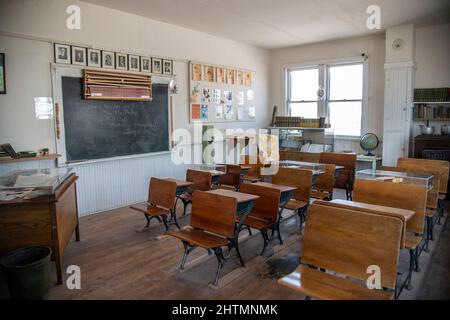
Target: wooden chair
403 196
432 195
201 180
160 203
254 174
323 189
302 180
213 227
264 215
434 165
346 176
339 240
232 178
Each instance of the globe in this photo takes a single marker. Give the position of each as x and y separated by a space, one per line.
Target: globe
369 142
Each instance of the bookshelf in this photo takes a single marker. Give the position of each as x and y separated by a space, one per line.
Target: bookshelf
431 104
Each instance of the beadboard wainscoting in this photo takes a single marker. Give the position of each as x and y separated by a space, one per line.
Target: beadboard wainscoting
352 144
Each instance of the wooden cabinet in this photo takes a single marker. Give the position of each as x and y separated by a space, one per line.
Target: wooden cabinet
47 220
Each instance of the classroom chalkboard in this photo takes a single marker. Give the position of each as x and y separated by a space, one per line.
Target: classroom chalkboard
96 129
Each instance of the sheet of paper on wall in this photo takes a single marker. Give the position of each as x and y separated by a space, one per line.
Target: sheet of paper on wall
219 112
249 95
252 112
229 112
240 98
216 96
43 107
204 114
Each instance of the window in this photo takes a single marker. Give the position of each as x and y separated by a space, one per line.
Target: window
303 101
345 94
342 101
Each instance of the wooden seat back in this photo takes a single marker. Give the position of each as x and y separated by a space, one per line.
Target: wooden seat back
300 156
214 213
266 206
371 208
347 160
404 196
432 196
255 164
428 164
201 180
325 182
232 177
298 178
348 242
162 193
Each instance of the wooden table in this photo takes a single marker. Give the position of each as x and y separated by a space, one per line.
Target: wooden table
245 200
214 173
182 186
286 191
47 220
403 215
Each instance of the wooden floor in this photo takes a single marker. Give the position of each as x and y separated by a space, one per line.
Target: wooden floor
118 261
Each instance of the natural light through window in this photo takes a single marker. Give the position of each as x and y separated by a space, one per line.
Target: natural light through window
345 99
303 93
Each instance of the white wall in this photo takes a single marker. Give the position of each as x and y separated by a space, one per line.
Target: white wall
107 184
28 61
372 46
433 56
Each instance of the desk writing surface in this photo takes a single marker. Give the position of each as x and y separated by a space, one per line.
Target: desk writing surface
405 215
241 197
282 188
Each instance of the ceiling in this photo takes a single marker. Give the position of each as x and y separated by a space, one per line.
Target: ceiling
275 24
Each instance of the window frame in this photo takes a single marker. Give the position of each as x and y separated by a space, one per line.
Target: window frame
322 106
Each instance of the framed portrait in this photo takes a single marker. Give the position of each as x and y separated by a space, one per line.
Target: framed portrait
79 56
121 61
197 72
146 64
156 65
230 76
62 53
248 79
2 74
134 63
94 58
210 74
240 78
168 67
108 59
220 75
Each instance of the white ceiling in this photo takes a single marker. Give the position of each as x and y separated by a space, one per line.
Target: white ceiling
281 23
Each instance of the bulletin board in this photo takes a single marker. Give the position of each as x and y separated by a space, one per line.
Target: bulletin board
221 93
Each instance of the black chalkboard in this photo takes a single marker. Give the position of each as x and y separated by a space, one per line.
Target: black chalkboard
96 129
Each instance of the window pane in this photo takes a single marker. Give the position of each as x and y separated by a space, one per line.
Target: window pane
345 118
307 110
346 82
304 84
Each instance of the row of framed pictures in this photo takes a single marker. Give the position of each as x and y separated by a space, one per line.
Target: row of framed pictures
219 74
67 54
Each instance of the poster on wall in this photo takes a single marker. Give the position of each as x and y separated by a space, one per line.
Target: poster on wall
219 112
2 74
220 75
195 112
219 93
209 74
229 112
230 76
197 72
204 114
206 95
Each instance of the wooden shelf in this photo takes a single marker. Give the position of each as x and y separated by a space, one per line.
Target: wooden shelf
103 85
433 102
38 158
432 119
